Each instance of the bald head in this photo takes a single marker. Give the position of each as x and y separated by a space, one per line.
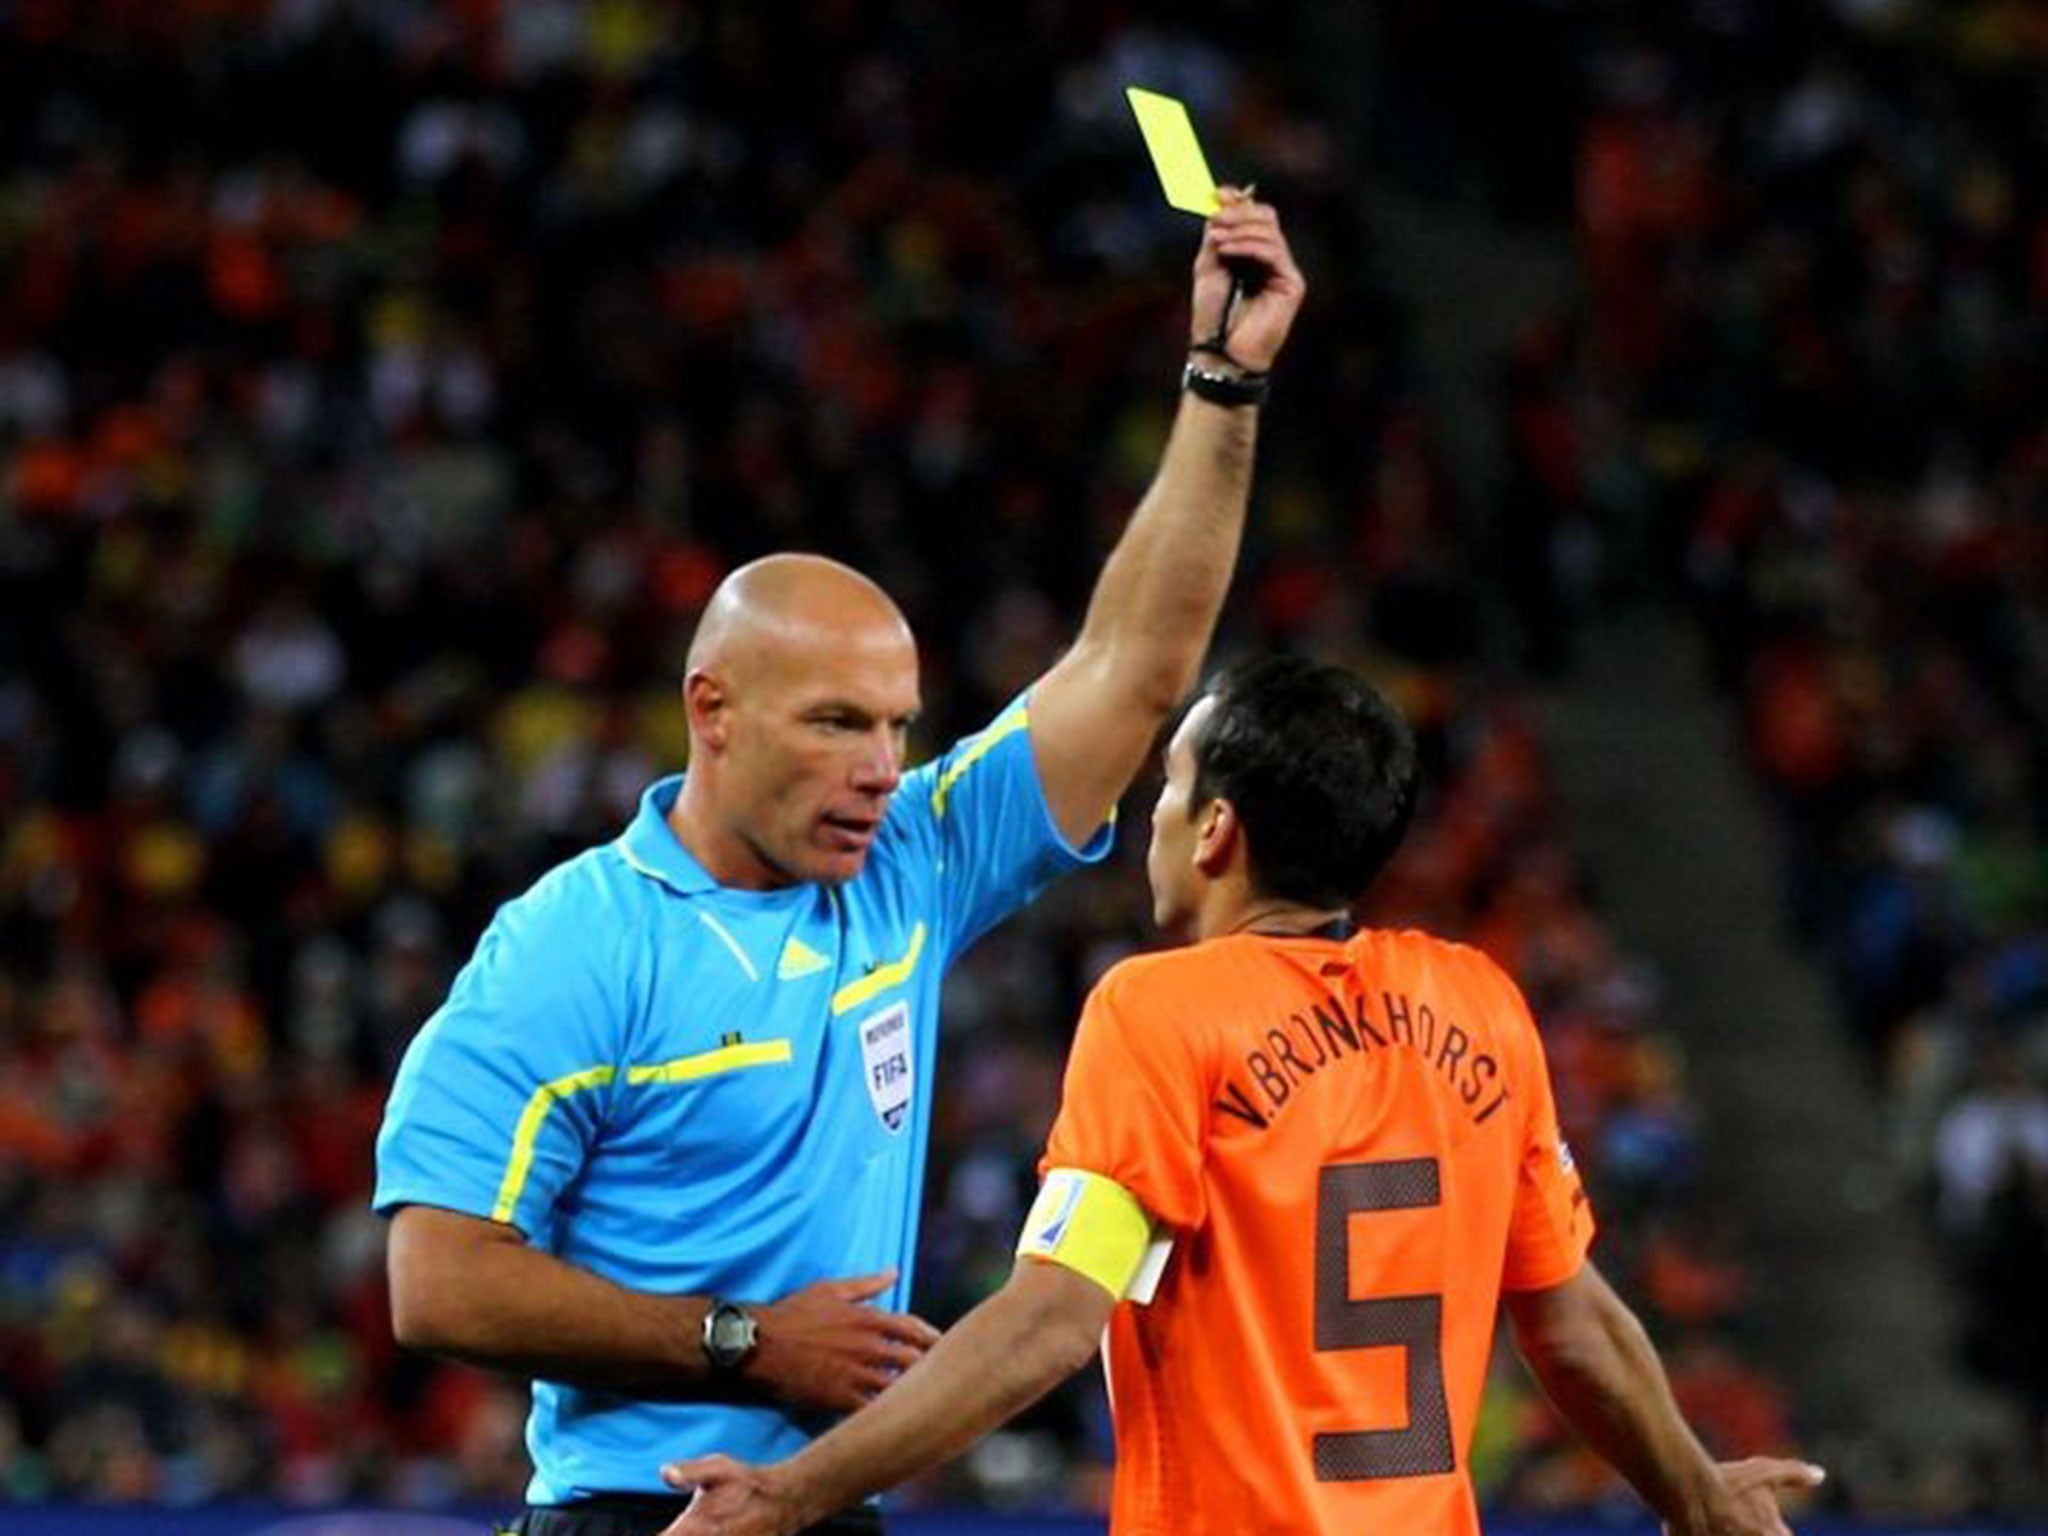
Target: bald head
801 687
776 610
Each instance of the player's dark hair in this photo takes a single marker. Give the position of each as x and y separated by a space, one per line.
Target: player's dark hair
1320 768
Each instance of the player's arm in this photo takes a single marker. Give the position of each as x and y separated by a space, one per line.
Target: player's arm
1095 714
1598 1366
476 1291
1040 1328
1084 1247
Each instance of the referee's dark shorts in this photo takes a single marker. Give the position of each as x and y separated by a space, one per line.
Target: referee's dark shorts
637 1514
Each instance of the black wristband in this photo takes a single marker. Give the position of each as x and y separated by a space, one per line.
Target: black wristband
1225 388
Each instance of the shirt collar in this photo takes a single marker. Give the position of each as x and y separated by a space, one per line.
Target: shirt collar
651 846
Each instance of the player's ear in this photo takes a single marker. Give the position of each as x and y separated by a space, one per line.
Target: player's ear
708 706
1217 833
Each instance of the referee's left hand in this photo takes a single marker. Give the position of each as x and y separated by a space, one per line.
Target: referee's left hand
732 1498
827 1347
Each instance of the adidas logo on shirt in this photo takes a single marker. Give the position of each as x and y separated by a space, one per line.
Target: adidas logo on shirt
798 959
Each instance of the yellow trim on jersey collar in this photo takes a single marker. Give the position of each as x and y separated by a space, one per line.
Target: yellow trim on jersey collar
1090 1224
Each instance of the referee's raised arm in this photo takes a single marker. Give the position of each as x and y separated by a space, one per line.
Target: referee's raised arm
1096 713
662 1149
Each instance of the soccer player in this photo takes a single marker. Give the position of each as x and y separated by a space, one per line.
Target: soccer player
1296 1172
660 1150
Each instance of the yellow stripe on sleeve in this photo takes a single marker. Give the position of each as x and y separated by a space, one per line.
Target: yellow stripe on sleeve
727 1058
882 977
1091 1225
530 1122
1000 730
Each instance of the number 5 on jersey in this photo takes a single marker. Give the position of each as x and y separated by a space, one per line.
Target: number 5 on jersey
1413 1323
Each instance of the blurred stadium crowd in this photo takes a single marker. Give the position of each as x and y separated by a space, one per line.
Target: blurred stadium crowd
1808 386
383 386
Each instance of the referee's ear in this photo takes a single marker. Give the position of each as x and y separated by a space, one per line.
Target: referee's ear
707 704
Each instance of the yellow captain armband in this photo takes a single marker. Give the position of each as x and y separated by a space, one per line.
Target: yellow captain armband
1095 1227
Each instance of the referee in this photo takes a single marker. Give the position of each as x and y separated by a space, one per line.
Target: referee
661 1149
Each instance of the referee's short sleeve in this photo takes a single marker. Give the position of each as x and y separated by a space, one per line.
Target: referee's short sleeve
504 1090
986 816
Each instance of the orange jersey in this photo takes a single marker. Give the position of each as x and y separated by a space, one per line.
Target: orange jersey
1355 1149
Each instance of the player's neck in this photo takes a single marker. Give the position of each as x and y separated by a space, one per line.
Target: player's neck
1276 918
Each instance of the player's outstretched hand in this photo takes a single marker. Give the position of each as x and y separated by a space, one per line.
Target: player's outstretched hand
1244 235
825 1347
1754 1495
731 1499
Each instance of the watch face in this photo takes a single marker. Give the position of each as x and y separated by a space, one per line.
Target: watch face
728 1335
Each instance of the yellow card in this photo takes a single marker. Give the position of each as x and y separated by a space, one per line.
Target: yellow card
1176 152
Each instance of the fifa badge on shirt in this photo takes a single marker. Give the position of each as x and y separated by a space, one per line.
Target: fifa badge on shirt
886 1060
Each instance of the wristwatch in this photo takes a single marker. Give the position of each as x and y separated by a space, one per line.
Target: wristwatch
729 1335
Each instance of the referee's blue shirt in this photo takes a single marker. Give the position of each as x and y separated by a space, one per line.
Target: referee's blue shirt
700 1091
